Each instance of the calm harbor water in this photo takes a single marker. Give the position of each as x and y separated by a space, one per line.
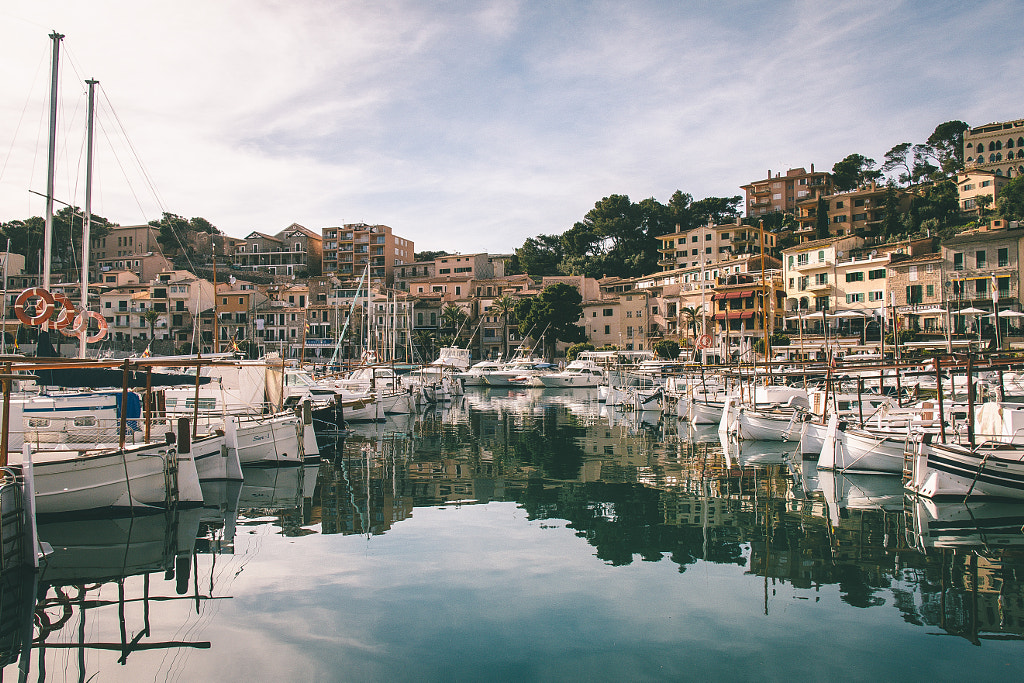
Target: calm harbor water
531 535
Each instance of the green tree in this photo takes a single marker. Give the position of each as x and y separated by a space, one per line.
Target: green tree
854 171
983 201
151 316
577 349
539 256
452 317
504 306
667 349
892 216
941 202
821 219
426 342
553 315
693 317
946 146
900 159
27 237
1010 204
429 255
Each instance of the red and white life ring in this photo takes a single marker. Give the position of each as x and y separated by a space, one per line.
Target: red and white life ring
41 316
81 326
65 318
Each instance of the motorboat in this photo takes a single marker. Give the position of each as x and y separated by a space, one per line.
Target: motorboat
579 373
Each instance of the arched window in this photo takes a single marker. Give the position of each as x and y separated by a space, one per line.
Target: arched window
991 158
981 146
999 172
1020 142
1009 143
1020 153
970 159
998 145
999 156
970 145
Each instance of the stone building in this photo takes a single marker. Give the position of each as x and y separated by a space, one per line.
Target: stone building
995 147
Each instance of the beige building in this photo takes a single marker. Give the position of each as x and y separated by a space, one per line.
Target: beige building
858 212
711 243
977 183
781 194
995 147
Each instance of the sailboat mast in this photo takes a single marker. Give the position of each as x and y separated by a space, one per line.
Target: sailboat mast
51 162
87 226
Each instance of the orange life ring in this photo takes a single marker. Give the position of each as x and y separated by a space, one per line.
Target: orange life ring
66 316
40 317
81 326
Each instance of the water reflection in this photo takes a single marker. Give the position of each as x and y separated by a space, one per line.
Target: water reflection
640 490
646 488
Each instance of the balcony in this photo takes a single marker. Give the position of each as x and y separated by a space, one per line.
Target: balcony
819 287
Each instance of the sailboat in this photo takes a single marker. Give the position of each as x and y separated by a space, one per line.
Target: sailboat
96 474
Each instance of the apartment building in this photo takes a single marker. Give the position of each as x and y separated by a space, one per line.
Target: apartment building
857 212
974 259
781 194
742 305
295 250
407 272
995 147
711 244
970 185
348 249
124 241
237 304
916 290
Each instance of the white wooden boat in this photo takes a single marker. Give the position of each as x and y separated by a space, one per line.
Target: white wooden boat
992 469
848 449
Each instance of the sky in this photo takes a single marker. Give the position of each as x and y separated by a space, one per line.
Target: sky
470 126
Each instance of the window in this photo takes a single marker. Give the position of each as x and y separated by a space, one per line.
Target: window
876 274
790 260
914 293
607 329
958 261
857 276
929 290
707 250
606 312
855 298
912 273
876 296
979 259
821 279
801 259
693 239
981 287
1003 256
838 219
821 256
693 252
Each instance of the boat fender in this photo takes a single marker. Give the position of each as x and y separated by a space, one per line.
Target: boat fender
842 425
926 438
169 438
41 316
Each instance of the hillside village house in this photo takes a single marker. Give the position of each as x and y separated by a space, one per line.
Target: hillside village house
350 248
780 193
970 185
295 250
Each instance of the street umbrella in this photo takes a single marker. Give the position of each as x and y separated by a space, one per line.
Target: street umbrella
930 311
969 311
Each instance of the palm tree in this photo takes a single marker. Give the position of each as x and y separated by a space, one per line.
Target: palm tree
692 315
425 340
452 317
151 316
503 306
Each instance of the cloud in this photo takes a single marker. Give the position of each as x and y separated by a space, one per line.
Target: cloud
471 126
